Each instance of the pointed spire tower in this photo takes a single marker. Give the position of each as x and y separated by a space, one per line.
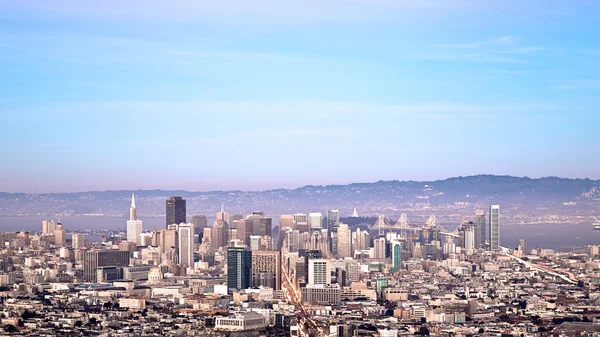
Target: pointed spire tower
132 213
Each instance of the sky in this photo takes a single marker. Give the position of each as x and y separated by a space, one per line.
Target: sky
253 95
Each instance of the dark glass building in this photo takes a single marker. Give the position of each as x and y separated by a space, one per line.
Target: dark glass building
92 260
239 268
176 211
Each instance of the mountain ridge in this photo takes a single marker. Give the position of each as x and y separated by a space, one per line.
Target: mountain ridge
519 196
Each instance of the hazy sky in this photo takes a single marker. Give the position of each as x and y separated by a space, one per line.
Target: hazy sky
204 95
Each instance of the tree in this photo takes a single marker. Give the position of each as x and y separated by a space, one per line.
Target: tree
10 328
481 330
423 320
78 324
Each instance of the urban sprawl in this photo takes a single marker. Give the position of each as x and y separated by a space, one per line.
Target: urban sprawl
313 276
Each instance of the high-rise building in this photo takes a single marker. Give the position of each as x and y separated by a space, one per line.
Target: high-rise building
315 221
165 239
48 227
469 237
244 230
301 222
261 225
522 246
344 240
59 235
186 244
333 218
92 260
134 226
494 228
396 255
77 241
266 269
222 215
176 210
200 222
319 271
379 248
219 234
361 239
286 221
239 268
480 236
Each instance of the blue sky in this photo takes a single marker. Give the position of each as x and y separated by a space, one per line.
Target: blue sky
204 95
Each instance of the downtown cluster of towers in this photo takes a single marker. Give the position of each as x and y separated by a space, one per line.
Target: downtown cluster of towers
246 244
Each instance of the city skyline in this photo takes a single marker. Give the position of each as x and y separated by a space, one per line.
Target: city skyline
99 93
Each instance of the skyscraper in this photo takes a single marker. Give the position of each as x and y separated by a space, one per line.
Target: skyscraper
494 228
176 210
134 226
480 230
48 227
186 244
315 221
333 218
239 268
77 241
344 240
59 235
301 222
266 269
396 255
319 271
379 248
200 222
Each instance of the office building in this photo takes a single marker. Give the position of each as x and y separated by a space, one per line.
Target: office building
301 222
92 260
200 222
379 248
315 221
322 294
59 235
219 234
77 241
48 227
222 215
266 269
480 231
494 228
239 268
344 240
333 219
186 244
134 226
396 255
469 237
319 271
176 210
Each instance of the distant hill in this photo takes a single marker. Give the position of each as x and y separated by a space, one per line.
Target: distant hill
519 196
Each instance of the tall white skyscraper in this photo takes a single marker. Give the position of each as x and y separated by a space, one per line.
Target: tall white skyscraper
344 240
134 226
469 238
319 271
315 220
494 228
186 244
